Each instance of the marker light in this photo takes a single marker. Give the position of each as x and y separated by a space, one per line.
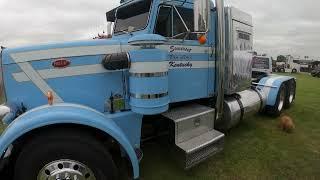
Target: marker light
50 97
202 39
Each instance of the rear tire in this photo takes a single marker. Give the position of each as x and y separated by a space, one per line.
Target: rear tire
277 109
67 146
294 71
282 70
290 93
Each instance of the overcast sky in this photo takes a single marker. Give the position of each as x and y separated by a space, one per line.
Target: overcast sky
281 26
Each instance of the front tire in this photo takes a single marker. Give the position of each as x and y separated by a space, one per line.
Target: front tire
64 154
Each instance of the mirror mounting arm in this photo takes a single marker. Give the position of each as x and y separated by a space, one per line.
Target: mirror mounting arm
184 23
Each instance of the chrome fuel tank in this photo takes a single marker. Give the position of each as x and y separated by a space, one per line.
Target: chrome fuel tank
239 106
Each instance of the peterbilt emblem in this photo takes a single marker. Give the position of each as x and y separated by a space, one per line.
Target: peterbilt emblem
61 63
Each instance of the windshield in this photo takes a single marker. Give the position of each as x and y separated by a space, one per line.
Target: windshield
260 63
134 16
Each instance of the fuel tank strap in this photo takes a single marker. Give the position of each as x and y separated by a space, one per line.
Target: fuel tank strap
261 99
237 97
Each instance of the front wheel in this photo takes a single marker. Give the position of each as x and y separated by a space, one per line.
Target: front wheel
64 155
294 71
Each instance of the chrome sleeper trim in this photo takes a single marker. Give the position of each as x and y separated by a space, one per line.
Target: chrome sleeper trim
143 75
149 96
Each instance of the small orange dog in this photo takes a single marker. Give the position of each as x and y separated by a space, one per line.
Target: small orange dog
286 124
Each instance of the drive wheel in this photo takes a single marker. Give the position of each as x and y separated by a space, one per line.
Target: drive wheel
64 155
280 102
294 71
291 93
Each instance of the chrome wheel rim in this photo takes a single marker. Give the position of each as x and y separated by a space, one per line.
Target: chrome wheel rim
291 97
65 170
291 93
281 100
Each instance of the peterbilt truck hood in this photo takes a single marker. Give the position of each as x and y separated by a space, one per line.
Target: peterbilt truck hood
58 50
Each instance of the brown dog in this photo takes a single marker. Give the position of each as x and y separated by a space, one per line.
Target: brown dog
286 124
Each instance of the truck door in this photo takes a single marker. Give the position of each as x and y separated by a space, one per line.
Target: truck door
188 60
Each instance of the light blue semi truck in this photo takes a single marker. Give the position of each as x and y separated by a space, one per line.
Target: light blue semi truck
80 110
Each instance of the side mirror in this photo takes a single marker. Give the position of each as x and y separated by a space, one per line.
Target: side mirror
201 16
109 29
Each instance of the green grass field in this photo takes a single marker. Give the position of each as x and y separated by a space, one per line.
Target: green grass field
256 149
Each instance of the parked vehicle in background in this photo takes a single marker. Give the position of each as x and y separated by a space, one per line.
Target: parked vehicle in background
305 68
316 72
288 68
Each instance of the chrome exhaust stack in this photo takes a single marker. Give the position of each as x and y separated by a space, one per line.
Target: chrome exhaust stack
220 58
202 16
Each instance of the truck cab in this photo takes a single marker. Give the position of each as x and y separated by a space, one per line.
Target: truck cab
188 60
179 68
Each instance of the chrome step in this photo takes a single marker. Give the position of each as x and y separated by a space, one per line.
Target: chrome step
201 147
191 121
194 133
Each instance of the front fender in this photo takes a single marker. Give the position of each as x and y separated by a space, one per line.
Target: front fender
270 86
71 114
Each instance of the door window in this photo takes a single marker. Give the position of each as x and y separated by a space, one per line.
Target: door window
169 24
164 21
